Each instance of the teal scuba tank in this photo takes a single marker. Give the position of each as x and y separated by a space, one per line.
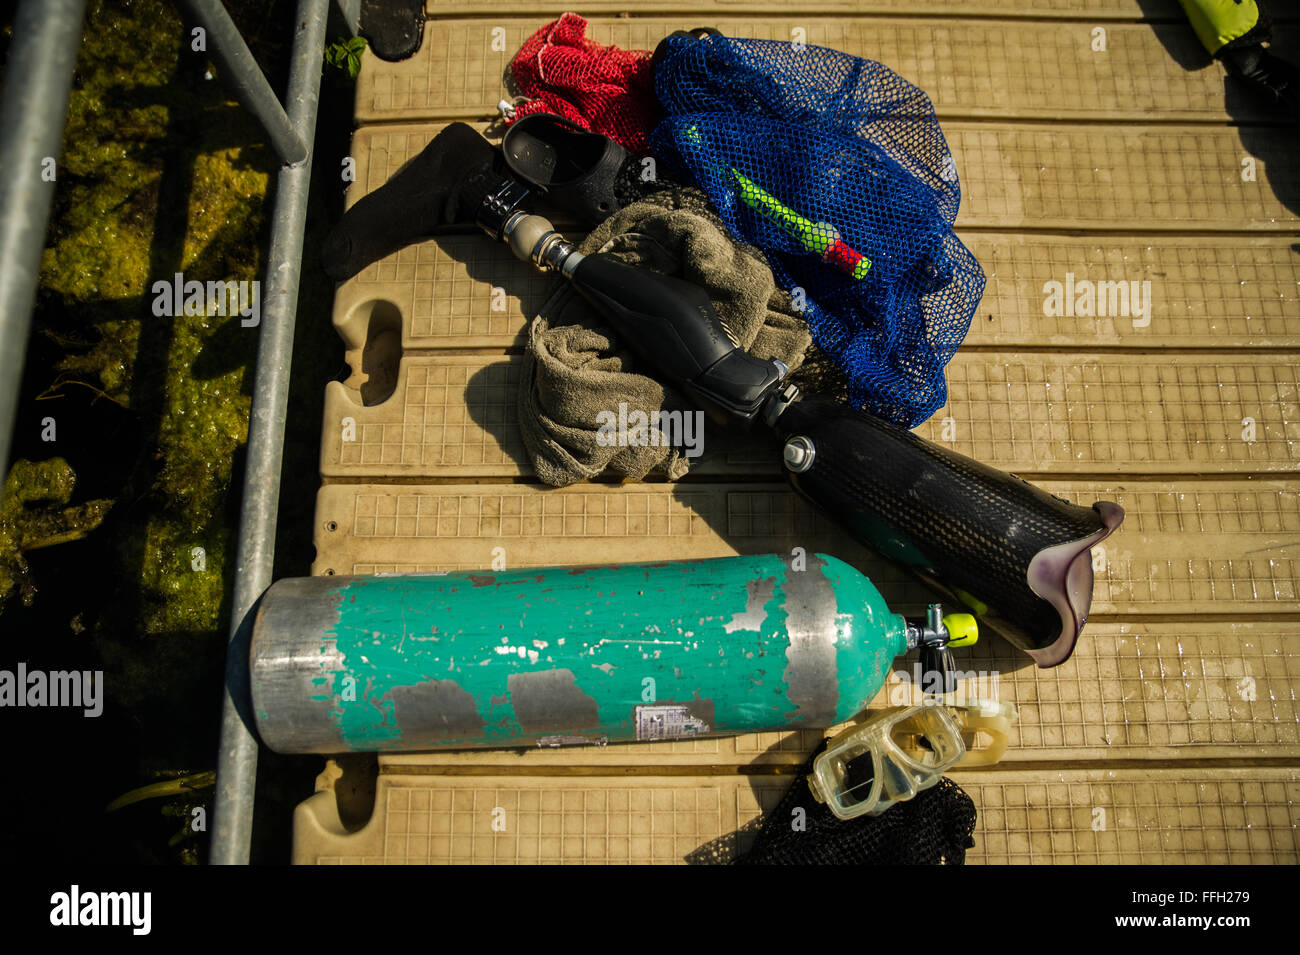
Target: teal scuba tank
556 655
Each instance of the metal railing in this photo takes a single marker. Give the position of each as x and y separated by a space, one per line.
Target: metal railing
38 83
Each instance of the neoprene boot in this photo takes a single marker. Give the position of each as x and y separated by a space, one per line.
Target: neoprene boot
444 185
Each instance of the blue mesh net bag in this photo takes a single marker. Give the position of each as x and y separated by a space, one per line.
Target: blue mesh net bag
836 168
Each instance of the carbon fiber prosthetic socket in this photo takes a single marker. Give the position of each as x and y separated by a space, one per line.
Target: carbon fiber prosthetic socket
1017 556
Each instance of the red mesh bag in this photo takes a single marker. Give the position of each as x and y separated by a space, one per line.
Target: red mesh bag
602 88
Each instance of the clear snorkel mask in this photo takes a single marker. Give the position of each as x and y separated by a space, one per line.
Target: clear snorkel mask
900 752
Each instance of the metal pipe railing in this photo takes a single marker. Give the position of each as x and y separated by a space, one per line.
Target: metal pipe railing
238 69
38 82
237 758
350 11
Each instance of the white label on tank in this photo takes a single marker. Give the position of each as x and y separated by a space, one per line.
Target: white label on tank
668 722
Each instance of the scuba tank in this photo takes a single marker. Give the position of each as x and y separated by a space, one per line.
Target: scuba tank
558 655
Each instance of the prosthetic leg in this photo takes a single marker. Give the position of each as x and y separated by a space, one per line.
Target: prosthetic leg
1015 555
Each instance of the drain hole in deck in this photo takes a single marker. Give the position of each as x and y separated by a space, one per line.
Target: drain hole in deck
354 790
382 354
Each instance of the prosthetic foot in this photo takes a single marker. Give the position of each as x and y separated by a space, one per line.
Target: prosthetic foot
1016 555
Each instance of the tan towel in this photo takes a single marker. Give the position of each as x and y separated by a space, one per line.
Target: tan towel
576 367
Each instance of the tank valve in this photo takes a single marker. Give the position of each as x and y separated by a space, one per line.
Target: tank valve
936 637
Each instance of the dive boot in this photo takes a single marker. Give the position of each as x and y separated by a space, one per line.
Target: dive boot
443 185
1276 80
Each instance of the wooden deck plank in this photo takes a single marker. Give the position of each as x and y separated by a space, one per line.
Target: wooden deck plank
455 416
1072 9
969 68
1042 177
1204 292
1190 816
1189 547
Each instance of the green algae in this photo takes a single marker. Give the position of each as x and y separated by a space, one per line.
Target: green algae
125 112
35 513
161 172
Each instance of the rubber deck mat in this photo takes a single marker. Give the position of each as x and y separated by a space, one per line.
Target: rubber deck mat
1101 817
1172 735
980 68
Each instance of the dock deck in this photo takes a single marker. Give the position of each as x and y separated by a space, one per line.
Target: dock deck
1173 733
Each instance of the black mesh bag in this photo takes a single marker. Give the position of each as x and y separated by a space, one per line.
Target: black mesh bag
935 827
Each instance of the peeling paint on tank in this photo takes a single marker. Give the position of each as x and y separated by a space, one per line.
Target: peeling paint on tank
622 644
810 677
437 703
550 701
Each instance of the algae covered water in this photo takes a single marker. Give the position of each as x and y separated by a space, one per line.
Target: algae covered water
120 507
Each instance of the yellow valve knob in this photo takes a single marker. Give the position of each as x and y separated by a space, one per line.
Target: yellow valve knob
962 629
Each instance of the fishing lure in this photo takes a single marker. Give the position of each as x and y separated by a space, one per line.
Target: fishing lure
820 238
